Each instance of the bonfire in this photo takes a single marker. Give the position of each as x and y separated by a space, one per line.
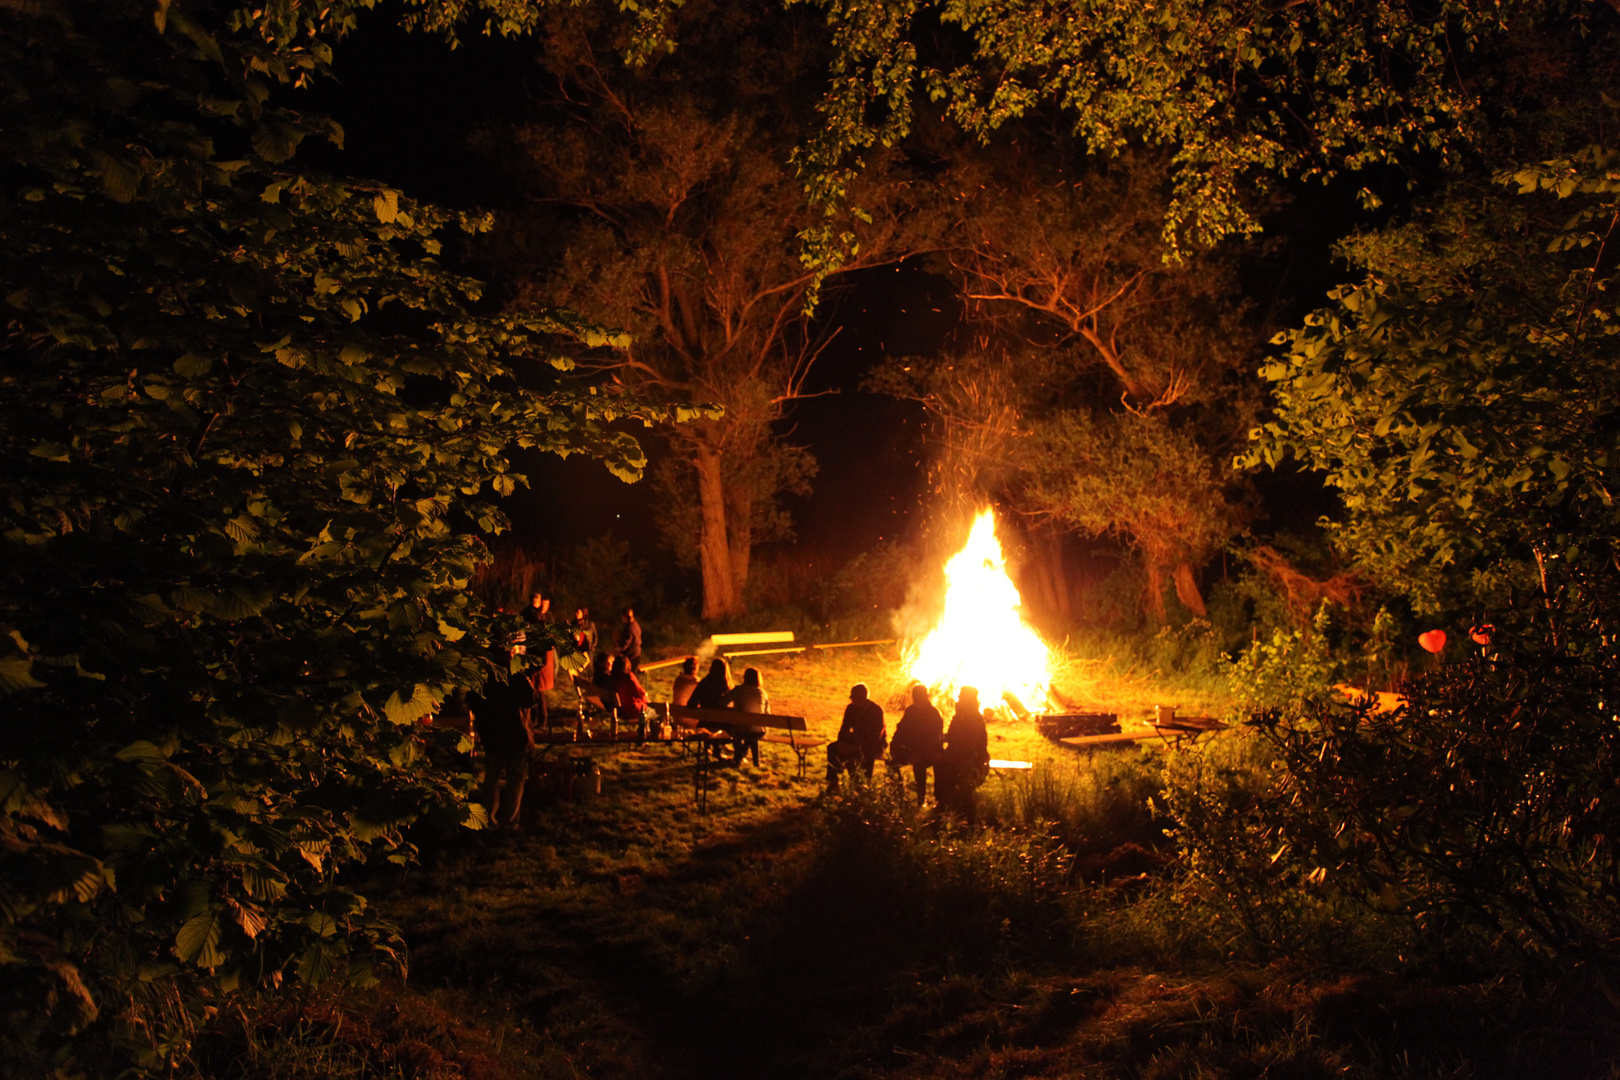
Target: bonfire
981 638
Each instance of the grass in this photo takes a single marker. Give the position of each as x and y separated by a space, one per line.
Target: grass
790 935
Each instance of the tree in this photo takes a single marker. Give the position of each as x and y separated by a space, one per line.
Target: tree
248 427
1119 378
1236 92
684 233
1463 396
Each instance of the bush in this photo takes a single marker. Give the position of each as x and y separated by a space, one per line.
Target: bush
1489 802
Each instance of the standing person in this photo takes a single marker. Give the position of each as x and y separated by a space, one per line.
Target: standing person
861 738
918 738
584 630
544 677
966 759
685 682
750 697
629 640
501 719
627 689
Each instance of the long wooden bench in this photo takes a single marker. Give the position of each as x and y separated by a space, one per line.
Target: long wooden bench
1112 738
701 727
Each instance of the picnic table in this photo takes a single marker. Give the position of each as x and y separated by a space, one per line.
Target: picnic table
700 728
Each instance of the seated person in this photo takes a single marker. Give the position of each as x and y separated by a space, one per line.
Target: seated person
685 682
711 691
917 741
861 738
747 696
627 691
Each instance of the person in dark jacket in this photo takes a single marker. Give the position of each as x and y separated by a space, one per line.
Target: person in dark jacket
965 761
711 690
861 738
710 693
629 640
917 740
501 721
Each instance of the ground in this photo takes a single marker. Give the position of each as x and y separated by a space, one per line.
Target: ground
630 936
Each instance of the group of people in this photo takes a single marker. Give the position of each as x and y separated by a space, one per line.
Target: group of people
504 713
714 691
959 756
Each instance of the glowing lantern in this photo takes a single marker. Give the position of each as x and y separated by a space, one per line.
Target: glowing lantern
981 638
1433 641
1482 634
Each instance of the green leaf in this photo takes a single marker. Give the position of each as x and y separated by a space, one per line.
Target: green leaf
16 674
198 940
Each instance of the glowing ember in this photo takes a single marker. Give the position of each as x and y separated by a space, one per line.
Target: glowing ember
981 639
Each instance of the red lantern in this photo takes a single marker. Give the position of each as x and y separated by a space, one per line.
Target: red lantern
1433 641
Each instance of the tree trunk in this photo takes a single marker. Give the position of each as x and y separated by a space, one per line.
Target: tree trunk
714 551
1061 589
741 538
1155 585
1187 591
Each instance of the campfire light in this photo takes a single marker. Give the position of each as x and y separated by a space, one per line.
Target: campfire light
981 638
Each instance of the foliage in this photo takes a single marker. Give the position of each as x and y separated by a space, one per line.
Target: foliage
1236 92
1488 801
1293 667
670 185
248 422
1463 398
1102 392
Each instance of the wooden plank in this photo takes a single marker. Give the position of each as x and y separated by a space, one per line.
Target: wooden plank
1000 763
1116 738
734 718
761 652
763 638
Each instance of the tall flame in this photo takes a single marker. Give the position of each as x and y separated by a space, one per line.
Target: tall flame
981 638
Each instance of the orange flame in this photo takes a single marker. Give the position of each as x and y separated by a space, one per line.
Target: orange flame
981 638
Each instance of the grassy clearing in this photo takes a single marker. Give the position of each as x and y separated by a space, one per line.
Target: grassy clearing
789 935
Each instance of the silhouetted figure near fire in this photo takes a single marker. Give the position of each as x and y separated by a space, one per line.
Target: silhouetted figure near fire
860 740
750 697
501 719
966 759
917 740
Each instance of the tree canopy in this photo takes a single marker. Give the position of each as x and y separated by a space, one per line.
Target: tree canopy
252 430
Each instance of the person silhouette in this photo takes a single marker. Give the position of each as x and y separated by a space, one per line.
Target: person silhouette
917 741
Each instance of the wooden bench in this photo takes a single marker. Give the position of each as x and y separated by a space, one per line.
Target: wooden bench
701 728
1113 738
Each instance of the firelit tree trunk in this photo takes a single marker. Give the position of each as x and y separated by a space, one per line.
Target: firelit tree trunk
741 537
1187 591
720 595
